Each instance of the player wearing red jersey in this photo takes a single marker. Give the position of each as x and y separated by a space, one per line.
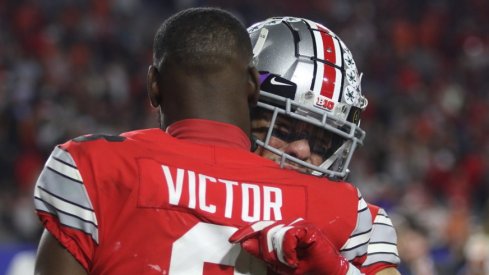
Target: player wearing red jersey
166 201
308 113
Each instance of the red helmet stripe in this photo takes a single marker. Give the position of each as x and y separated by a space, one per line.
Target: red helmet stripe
329 74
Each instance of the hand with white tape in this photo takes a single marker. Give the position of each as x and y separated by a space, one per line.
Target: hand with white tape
298 247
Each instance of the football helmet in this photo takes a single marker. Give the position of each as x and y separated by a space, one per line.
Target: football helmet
307 74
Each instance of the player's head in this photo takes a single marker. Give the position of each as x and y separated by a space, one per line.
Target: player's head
308 113
202 68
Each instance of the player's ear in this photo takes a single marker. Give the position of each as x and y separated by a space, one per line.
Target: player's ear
153 86
253 85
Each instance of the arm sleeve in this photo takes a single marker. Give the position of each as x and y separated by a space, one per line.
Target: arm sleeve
382 248
355 248
64 206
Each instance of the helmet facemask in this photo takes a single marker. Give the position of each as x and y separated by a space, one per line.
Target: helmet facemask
330 143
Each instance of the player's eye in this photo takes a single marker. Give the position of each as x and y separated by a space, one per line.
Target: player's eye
319 148
281 133
261 129
320 142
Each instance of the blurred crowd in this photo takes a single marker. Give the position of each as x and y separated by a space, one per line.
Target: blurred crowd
71 67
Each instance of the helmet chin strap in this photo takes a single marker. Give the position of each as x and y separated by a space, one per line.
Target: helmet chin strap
254 143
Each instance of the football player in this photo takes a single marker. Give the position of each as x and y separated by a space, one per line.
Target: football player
167 200
308 114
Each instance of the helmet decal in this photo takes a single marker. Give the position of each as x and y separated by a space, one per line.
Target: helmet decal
329 75
260 42
277 85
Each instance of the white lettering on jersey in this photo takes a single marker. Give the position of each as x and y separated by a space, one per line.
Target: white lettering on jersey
255 193
174 190
229 197
270 204
202 188
258 202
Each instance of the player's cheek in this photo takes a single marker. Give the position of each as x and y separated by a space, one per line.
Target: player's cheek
277 143
316 159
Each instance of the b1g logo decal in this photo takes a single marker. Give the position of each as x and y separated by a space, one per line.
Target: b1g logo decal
324 103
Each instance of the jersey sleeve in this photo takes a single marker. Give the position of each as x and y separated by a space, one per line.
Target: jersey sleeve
355 248
64 206
382 248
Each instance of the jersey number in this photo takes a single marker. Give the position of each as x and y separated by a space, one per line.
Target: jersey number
206 246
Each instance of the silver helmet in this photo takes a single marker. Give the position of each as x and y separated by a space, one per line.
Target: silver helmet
307 74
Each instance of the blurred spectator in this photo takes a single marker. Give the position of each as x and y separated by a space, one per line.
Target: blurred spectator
414 245
477 256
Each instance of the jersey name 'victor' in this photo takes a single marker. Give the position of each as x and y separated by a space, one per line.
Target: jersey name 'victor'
258 202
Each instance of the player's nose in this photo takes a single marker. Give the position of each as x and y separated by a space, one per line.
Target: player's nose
299 149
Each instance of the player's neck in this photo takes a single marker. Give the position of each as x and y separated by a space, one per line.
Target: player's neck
210 132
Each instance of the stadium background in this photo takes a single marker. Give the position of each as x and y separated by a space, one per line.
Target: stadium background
70 67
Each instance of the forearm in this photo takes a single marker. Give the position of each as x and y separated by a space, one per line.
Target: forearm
54 259
388 271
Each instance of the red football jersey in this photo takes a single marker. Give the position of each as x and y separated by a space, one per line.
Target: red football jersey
150 202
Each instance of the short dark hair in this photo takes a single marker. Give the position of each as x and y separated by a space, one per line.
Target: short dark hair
200 37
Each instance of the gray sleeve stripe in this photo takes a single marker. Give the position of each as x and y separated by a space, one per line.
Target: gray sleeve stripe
64 187
382 212
61 192
42 206
64 162
63 155
63 175
65 206
68 219
47 207
350 255
383 233
383 236
383 243
382 253
354 247
360 233
382 247
383 224
383 219
361 210
63 199
356 256
361 203
70 170
357 243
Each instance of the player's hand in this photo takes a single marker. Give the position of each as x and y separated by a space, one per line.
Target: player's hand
298 247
